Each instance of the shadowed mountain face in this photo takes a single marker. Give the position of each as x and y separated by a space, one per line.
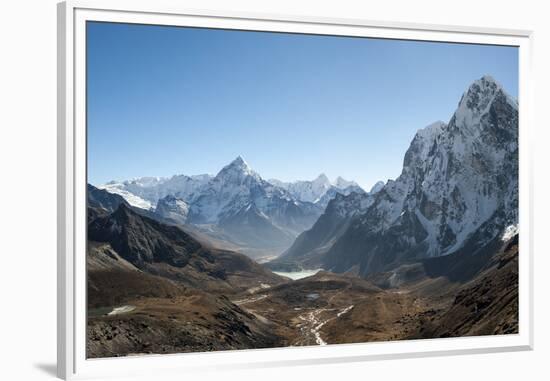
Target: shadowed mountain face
311 247
458 188
101 202
167 250
143 241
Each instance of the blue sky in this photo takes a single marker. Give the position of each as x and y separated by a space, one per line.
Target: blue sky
169 100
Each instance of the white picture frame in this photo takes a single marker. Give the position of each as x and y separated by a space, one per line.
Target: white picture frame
72 16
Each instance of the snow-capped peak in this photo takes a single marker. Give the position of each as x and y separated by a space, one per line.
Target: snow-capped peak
476 101
322 179
237 168
480 93
342 183
240 163
239 160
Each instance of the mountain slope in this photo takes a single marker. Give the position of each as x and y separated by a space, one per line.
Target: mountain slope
310 247
173 209
168 251
101 202
250 226
488 305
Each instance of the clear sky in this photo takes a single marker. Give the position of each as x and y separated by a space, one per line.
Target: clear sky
169 100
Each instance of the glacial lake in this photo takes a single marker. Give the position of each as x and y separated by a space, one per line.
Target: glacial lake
295 275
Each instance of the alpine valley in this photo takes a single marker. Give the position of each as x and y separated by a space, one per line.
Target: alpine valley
234 261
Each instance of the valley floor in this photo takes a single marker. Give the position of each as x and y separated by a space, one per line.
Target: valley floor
322 309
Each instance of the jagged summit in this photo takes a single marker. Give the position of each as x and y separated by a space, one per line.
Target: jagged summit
319 190
342 183
477 100
480 93
239 162
474 103
322 178
237 168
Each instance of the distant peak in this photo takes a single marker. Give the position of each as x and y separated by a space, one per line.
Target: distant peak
238 166
341 180
322 178
343 183
239 160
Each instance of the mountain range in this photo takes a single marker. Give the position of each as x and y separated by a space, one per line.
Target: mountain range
237 206
458 190
458 187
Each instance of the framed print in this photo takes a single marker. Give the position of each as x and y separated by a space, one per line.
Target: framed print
249 189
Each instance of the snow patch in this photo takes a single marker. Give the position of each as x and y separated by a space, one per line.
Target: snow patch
121 310
131 198
510 232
